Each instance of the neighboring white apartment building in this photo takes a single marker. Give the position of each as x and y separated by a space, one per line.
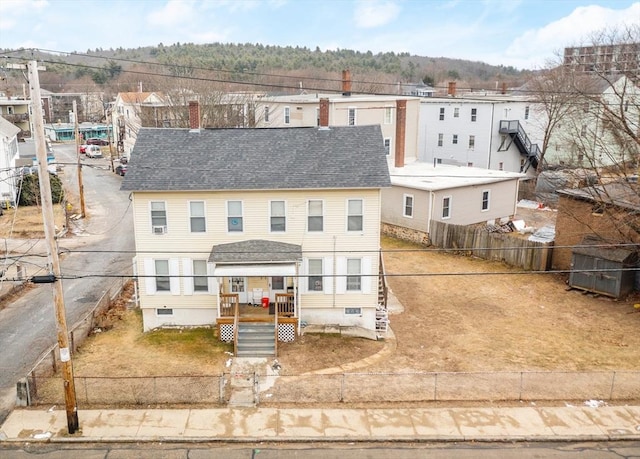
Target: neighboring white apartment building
8 157
394 115
485 130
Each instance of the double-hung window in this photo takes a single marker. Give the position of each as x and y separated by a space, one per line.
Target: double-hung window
472 142
388 115
387 146
485 200
526 112
407 210
440 139
158 217
315 216
474 114
354 215
200 281
441 114
287 115
456 112
315 275
446 207
163 283
234 216
278 217
352 116
197 219
266 114
454 139
354 274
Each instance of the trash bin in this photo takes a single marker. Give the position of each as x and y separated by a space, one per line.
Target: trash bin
265 301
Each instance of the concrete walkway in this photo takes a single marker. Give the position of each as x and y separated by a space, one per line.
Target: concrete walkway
569 423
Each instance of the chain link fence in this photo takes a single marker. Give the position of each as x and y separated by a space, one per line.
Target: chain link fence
350 388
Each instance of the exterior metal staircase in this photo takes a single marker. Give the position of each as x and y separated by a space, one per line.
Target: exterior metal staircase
517 134
256 339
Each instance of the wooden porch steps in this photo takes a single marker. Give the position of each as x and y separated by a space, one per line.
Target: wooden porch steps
256 339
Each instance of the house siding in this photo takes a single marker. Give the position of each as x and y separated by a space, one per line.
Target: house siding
333 242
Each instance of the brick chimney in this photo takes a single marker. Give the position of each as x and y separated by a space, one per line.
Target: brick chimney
324 112
194 114
401 128
451 90
346 83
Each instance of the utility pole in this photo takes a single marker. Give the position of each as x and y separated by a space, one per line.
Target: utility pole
52 249
77 137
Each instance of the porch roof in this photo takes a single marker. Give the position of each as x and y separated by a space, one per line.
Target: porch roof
255 251
255 270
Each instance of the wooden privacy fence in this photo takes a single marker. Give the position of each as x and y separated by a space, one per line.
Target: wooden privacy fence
522 253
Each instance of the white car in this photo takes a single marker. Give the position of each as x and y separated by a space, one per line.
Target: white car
93 151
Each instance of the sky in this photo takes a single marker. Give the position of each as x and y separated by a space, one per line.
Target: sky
525 34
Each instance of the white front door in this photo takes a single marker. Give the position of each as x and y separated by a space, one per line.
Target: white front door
277 284
239 285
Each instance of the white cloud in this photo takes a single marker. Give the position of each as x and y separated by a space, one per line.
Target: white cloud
174 13
369 14
542 44
14 11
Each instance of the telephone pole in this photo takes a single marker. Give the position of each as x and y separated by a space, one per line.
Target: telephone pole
77 137
52 249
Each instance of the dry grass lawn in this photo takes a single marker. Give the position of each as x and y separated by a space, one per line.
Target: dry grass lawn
26 222
460 314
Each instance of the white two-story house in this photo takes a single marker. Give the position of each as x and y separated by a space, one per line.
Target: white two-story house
8 156
291 213
490 131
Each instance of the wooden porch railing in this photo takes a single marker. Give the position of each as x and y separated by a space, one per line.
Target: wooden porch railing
285 304
382 284
229 302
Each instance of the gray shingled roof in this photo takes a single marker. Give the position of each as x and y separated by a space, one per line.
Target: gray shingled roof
257 159
255 251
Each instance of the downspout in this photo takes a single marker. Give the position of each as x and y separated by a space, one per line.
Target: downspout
493 111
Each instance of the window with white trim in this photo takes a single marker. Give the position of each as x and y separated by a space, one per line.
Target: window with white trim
354 215
200 279
456 112
163 283
441 117
388 115
352 116
266 113
158 215
315 216
440 139
407 209
354 274
197 219
454 139
446 207
287 115
474 114
387 146
164 311
472 142
278 218
526 112
234 216
485 200
315 274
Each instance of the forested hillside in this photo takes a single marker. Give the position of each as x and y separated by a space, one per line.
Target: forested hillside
256 67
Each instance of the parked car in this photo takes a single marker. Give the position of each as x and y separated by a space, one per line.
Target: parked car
83 149
121 169
97 141
93 151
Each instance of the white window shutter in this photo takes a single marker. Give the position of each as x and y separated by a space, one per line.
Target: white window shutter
303 280
327 270
174 272
341 275
187 271
212 282
149 273
366 274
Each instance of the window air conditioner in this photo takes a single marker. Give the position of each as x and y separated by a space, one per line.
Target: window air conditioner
159 229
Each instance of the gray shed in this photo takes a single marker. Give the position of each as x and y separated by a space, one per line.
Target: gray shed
601 269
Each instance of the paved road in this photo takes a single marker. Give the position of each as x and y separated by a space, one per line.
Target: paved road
27 326
472 450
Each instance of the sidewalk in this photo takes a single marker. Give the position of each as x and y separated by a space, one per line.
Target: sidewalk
570 423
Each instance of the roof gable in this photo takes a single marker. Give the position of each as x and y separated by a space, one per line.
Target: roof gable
257 159
8 129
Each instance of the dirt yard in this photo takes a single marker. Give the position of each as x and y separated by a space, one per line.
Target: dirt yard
460 314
